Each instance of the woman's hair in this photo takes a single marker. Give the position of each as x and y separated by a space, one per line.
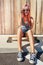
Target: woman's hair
26 5
24 8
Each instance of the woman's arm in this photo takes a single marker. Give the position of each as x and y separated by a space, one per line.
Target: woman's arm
20 21
32 22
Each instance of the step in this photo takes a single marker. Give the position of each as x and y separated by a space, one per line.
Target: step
13 47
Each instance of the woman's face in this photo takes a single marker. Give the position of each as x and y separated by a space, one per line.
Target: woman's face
26 11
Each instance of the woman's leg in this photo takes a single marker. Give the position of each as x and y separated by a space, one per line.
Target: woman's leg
19 38
31 39
32 58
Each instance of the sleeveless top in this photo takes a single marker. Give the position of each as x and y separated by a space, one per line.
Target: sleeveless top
26 20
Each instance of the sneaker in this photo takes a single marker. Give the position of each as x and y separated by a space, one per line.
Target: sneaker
32 59
19 56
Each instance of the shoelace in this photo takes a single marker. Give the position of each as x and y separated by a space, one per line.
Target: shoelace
20 54
32 56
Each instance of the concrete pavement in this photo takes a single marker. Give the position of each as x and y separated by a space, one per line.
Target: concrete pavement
8 52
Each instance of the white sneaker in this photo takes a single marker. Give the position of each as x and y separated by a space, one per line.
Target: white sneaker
19 56
32 59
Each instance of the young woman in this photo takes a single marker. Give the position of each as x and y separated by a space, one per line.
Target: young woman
26 25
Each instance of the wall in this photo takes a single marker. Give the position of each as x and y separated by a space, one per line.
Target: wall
10 15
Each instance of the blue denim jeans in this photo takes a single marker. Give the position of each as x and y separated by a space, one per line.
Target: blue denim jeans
25 28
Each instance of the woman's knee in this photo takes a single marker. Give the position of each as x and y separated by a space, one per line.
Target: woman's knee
19 30
29 33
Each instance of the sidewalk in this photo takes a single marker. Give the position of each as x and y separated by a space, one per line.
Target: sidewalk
8 52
